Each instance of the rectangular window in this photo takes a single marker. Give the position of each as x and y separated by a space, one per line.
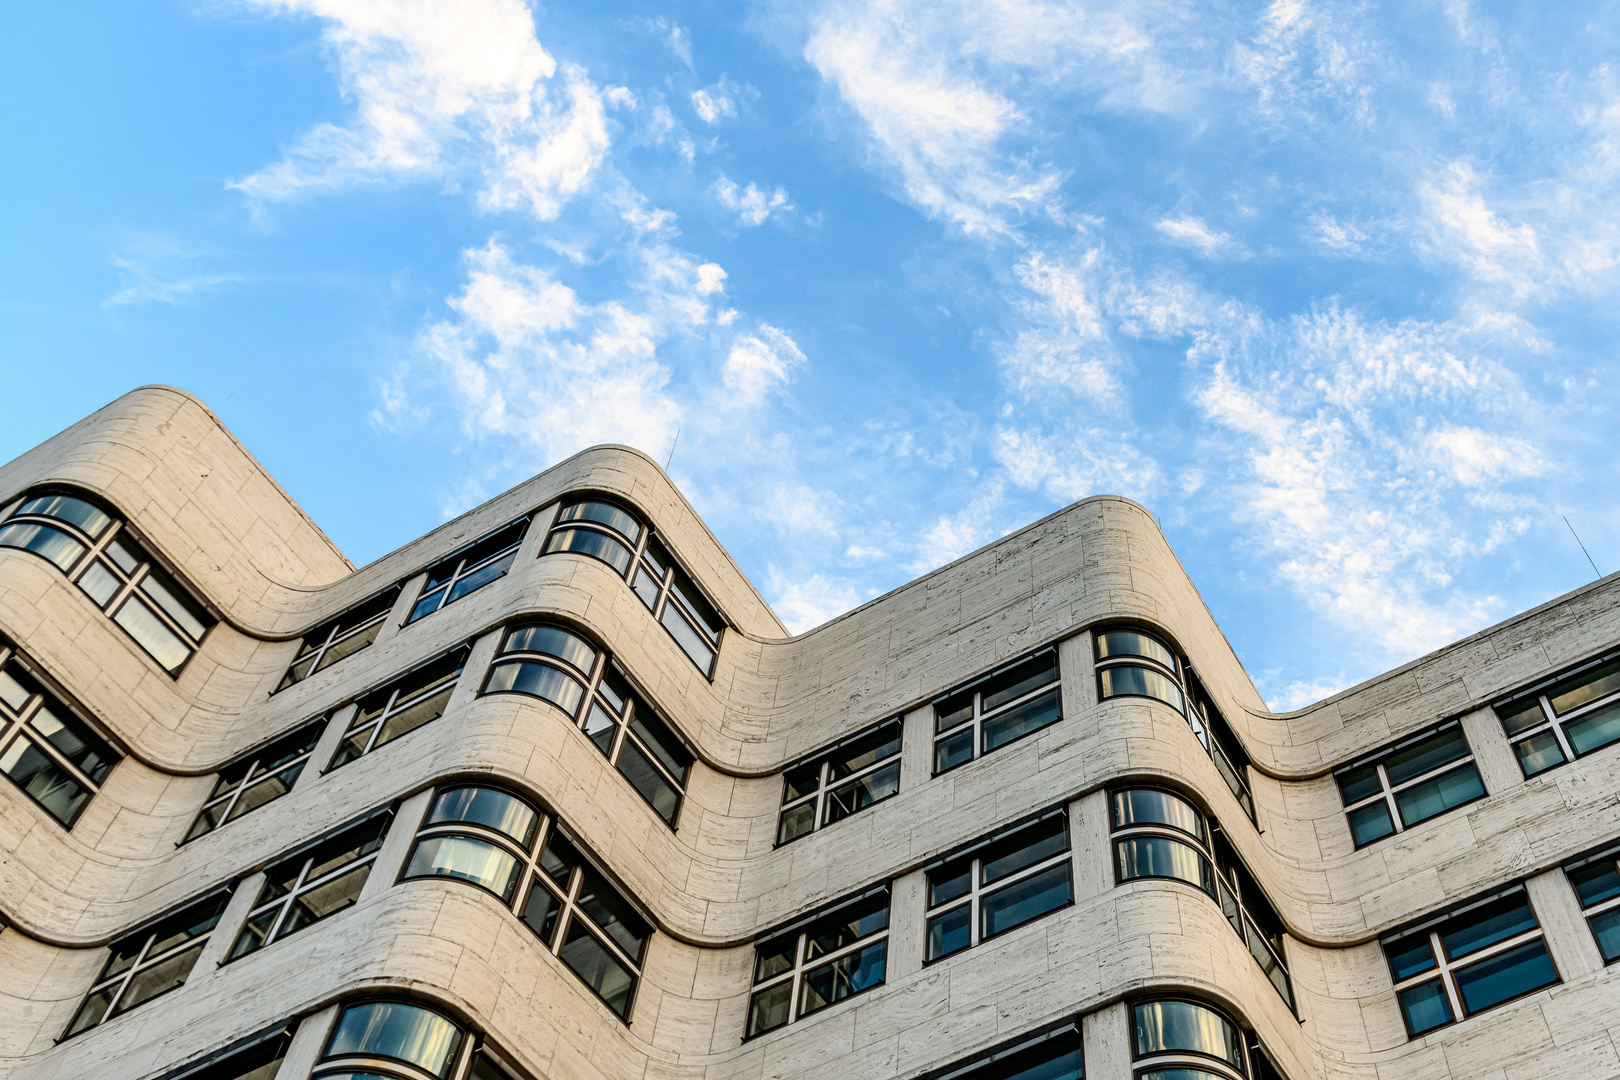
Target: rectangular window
1053 1054
469 568
97 551
258 777
497 841
149 962
1413 780
343 636
312 884
559 666
852 775
46 748
820 960
1566 717
604 531
999 883
1596 881
399 708
1485 953
996 709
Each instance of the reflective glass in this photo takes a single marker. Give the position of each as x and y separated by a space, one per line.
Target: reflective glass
1506 975
91 521
72 739
593 543
463 857
1424 1007
552 641
953 751
1024 900
775 957
1054 1058
159 978
1594 729
1606 928
1409 956
847 926
650 784
951 931
540 911
708 621
169 595
598 968
1146 806
99 583
1140 682
883 743
1521 715
1183 1025
769 1008
1026 847
1487 924
1439 794
57 792
488 807
53 544
1596 882
1431 753
692 642
661 742
1018 681
611 914
1159 856
796 822
325 900
477 579
1586 687
603 514
859 794
1020 720
393 1029
844 977
1357 784
152 634
537 680
1133 643
1539 753
1371 822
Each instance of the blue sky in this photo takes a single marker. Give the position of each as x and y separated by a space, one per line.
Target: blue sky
1330 287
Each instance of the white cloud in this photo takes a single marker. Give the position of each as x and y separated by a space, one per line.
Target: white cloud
797 511
1078 463
751 205
758 363
1469 232
1300 693
863 553
1475 457
804 605
714 102
154 269
1193 233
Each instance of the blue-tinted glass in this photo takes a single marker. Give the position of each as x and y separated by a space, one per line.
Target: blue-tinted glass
1596 882
844 977
1435 796
1424 1007
1507 975
1024 900
1409 956
1021 720
954 751
1539 753
1594 730
1431 753
66 508
1357 784
950 931
1371 822
1606 928
1487 924
53 544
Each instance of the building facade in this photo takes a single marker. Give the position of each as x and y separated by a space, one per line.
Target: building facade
551 794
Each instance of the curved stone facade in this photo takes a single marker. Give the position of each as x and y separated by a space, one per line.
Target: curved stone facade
719 880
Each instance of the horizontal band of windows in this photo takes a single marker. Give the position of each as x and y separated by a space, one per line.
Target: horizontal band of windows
49 748
1050 1054
851 775
258 777
355 629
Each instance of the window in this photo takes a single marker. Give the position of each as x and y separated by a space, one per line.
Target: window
852 775
149 962
1215 735
1470 959
819 961
46 748
1566 717
1186 1040
312 884
399 708
469 569
1417 778
398 1040
1133 664
96 550
559 666
991 712
1159 834
1001 882
257 1057
1596 880
604 531
256 778
500 842
343 636
1048 1055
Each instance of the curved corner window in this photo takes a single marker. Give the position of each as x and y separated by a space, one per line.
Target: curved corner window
1159 834
371 1035
95 550
46 748
559 666
1121 672
1175 1039
996 709
500 842
607 532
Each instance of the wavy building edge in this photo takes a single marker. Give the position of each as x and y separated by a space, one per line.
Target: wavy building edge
709 888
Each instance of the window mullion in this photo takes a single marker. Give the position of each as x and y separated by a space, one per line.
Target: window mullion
974 891
1452 996
799 950
1389 799
93 548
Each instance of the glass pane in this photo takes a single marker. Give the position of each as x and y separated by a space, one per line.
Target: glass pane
1520 970
1487 924
1409 956
774 957
603 514
393 1029
92 1011
769 1008
1521 715
953 710
255 933
1586 687
1431 753
463 857
844 977
657 558
598 968
1596 882
16 686
1594 730
126 554
208 819
1539 753
537 680
602 728
701 653
847 926
1357 784
859 794
1150 807
491 571
796 822
1020 720
325 900
1423 801
882 743
800 782
53 544
161 977
953 750
412 717
1026 847
485 1069
1024 900
949 932
152 634
1172 1074
73 739
1140 682
1018 681
559 858
1606 928
702 613
540 912
1133 643
99 583
1055 1058
1371 822
1183 1025
661 795
947 882
590 542
1157 856
347 646
427 605
661 742
266 790
192 922
610 912
352 747
176 603
1424 1007
74 511
647 588
58 793
485 806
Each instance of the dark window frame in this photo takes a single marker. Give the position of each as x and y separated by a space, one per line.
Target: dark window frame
461 568
1603 908
973 725
1068 1030
827 785
17 724
978 889
1147 1062
802 930
397 705
228 794
1509 707
1389 792
318 644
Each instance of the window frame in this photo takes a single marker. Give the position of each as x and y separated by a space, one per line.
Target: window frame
638 548
970 1068
978 890
531 875
591 684
395 706
826 785
804 965
336 634
974 724
230 797
472 1048
128 583
1145 1063
1609 853
1445 969
17 724
1389 792
462 570
1551 721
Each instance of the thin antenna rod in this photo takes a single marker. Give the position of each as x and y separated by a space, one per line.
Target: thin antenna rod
677 442
1577 537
